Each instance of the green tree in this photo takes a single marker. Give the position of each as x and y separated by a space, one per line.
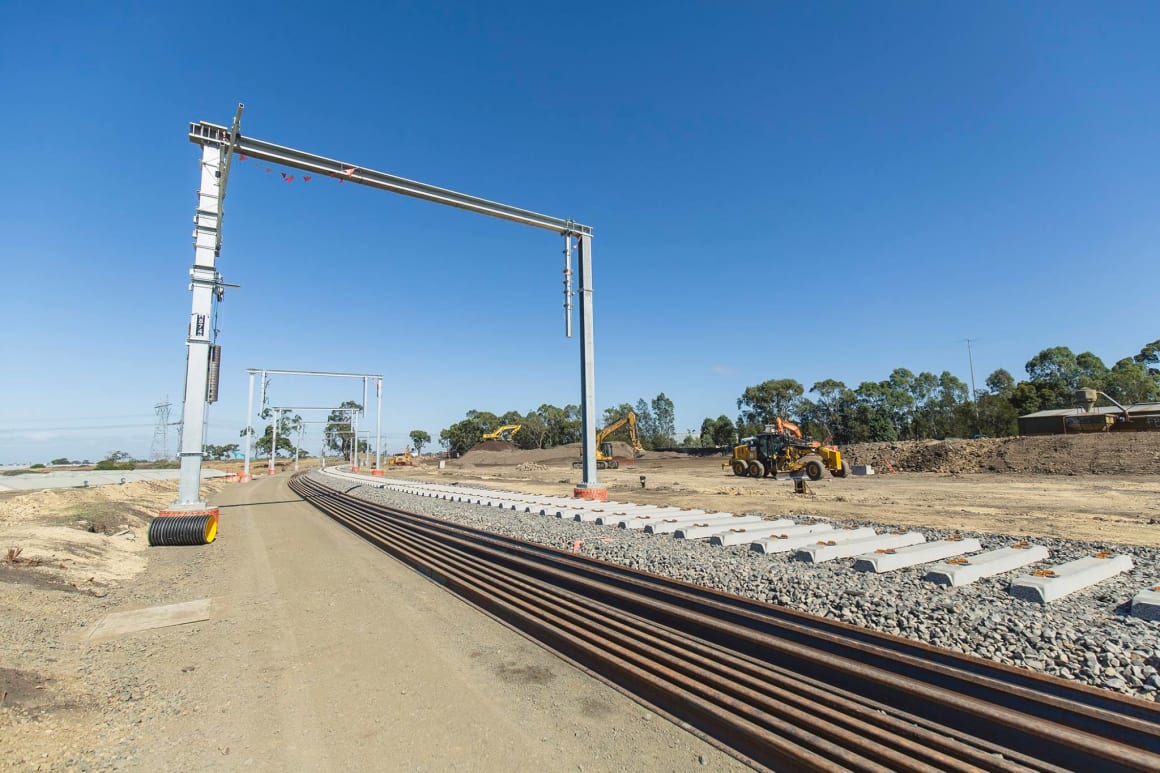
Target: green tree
222 452
555 426
419 438
533 431
1149 356
707 427
762 404
664 421
997 416
828 416
1130 381
61 460
338 431
1001 383
1090 371
1029 397
1055 373
116 460
725 433
287 426
465 434
646 425
872 418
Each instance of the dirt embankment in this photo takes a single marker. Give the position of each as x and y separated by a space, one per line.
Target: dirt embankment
1118 453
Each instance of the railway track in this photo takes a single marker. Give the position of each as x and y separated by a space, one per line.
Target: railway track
778 689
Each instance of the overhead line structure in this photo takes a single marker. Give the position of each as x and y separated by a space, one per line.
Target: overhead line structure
780 689
249 431
218 146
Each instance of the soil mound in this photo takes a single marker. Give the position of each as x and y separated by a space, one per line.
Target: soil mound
493 445
1096 454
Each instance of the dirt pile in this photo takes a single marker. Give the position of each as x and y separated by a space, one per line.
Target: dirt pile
501 446
1098 454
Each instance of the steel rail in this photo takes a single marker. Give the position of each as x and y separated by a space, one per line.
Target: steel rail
707 659
641 644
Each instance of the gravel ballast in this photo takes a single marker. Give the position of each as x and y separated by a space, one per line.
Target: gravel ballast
1088 636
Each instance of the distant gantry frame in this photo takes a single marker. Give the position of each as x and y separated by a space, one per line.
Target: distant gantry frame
219 144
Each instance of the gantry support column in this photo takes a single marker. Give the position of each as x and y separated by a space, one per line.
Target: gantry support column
588 488
203 282
245 476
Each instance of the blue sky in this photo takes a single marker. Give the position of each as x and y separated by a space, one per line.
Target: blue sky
778 190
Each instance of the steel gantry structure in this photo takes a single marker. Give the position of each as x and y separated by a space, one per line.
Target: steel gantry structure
249 431
278 410
218 145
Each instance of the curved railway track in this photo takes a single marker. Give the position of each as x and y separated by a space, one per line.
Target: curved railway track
779 689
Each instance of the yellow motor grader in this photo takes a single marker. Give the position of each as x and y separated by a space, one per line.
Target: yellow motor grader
782 448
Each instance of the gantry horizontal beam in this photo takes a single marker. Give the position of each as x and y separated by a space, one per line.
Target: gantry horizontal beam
203 133
312 373
305 408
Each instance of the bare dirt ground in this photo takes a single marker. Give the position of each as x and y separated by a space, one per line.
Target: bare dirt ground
1119 504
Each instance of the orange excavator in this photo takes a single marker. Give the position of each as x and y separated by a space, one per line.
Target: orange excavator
787 428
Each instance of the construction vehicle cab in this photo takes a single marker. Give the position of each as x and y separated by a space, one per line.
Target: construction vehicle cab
783 448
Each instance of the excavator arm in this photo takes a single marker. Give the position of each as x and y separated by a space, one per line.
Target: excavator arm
789 428
628 419
498 434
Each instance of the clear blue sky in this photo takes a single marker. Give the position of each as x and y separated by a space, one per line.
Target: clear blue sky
779 190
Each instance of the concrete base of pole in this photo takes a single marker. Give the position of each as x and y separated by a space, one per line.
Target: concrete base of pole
213 512
354 469
377 473
245 477
595 494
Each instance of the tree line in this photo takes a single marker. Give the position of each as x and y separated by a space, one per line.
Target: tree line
904 406
909 406
549 426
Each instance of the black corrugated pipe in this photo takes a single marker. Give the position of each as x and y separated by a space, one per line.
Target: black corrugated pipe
183 530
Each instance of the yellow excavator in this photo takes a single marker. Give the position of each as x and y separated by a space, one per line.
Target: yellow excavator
511 429
604 458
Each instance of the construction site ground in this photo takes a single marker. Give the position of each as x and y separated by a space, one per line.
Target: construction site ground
321 653
1103 488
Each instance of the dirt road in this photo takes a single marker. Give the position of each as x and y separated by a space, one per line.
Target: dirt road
320 653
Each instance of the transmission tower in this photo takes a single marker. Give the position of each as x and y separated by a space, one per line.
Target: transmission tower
160 449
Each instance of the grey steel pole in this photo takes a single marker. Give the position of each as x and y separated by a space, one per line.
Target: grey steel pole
364 413
587 367
354 439
204 279
974 399
249 428
379 424
274 441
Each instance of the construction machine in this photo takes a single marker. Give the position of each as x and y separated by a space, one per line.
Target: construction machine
404 458
783 448
604 458
511 429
